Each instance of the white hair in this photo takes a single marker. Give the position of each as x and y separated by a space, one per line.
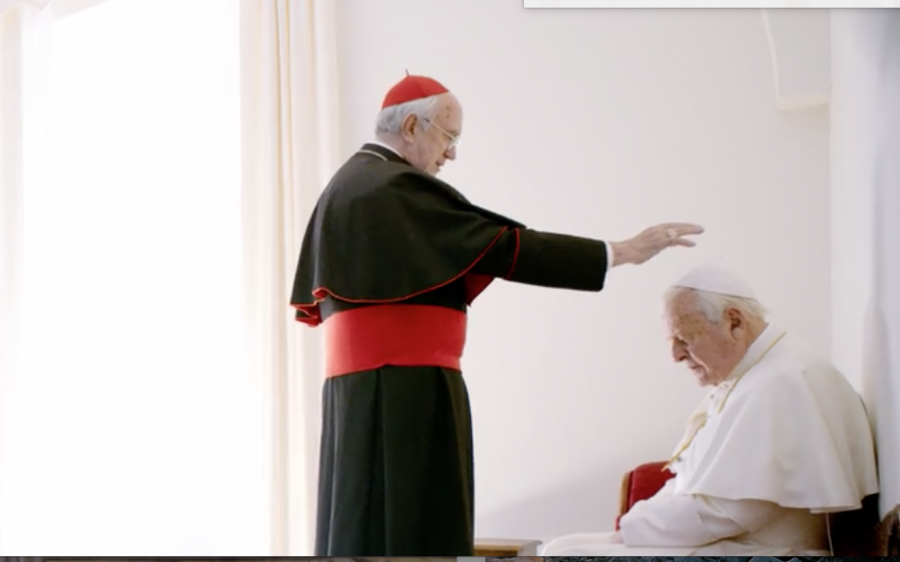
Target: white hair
390 119
714 305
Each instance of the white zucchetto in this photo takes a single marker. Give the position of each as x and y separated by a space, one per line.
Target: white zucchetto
715 279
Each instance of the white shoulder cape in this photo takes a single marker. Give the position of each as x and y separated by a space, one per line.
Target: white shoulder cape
793 431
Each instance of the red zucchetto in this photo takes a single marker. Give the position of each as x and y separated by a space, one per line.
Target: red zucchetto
413 88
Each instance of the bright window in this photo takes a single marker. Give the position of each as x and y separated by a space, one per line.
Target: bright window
138 431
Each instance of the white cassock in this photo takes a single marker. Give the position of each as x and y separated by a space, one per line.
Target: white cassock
786 440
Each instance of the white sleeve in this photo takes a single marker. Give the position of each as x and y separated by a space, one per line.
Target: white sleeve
692 520
609 256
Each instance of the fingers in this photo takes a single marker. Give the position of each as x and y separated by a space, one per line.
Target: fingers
674 232
683 228
656 239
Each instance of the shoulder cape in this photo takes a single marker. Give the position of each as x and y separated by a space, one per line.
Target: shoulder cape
384 232
794 432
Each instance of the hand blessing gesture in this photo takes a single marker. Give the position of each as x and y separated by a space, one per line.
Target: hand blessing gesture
654 240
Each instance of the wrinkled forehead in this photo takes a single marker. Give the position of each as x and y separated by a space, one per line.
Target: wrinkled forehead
683 318
449 114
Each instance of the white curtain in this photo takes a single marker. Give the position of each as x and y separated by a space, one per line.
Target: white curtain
24 35
290 148
865 200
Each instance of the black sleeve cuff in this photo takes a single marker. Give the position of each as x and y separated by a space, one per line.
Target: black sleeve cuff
560 261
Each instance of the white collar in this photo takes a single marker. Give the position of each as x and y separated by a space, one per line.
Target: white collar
382 145
755 352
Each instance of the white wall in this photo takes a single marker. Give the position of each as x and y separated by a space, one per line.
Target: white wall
600 123
865 204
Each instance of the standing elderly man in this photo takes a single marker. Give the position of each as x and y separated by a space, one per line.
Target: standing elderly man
391 259
780 441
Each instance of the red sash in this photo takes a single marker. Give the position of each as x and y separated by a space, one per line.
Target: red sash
408 335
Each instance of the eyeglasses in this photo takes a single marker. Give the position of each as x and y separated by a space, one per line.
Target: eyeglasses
454 139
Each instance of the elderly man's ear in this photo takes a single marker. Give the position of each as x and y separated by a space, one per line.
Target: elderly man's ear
407 129
736 321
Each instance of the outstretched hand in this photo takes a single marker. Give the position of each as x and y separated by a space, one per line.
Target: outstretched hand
654 240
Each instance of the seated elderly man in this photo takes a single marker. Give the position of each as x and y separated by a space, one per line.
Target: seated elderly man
781 440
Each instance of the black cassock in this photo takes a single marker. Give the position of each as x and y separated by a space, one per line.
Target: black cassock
396 468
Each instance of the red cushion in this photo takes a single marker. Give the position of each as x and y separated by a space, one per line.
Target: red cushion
643 482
